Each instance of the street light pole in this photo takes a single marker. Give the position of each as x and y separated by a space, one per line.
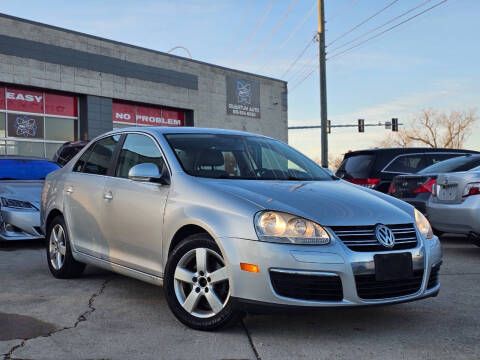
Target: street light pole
323 82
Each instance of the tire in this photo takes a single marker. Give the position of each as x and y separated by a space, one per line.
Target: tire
185 277
60 260
475 239
438 232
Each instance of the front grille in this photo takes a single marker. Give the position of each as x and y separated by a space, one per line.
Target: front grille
362 238
306 286
369 288
433 280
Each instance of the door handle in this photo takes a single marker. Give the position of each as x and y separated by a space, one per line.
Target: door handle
70 189
108 196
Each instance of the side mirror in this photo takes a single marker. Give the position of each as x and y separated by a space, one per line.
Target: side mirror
147 172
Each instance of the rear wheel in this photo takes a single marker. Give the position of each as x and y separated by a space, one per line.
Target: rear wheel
60 260
196 283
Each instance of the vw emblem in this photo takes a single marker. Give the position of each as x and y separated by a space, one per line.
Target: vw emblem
385 236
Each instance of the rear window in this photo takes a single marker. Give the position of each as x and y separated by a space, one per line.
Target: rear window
356 166
461 163
406 164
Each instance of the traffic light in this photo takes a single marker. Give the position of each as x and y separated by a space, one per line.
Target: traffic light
329 127
394 124
361 125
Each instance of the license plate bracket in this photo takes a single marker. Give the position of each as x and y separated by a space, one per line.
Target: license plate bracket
393 266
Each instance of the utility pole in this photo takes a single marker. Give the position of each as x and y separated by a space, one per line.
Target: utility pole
323 82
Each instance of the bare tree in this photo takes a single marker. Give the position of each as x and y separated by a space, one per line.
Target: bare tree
435 129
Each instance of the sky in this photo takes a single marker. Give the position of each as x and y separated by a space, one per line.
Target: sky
429 62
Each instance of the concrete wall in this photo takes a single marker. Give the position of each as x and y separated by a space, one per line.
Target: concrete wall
175 83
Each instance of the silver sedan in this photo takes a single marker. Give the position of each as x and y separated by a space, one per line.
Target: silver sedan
229 222
454 206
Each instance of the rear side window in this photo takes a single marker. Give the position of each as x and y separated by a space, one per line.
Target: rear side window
78 167
101 156
406 164
431 159
357 166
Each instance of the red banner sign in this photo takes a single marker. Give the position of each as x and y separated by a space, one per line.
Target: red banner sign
144 115
24 100
18 99
63 105
2 98
123 113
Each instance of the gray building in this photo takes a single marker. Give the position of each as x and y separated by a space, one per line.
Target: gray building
58 85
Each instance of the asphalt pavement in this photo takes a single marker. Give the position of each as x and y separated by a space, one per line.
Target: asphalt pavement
108 316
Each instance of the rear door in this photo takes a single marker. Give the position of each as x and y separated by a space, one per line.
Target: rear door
134 210
83 196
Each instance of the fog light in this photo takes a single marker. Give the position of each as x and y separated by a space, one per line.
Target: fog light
249 267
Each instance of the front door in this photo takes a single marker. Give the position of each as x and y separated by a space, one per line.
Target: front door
83 196
134 210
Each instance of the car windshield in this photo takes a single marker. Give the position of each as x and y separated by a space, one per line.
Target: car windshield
25 169
459 163
224 156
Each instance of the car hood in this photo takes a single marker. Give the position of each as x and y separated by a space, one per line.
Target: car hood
30 191
330 203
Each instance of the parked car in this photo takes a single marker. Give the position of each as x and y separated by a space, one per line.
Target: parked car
376 168
67 151
417 188
454 206
21 181
228 220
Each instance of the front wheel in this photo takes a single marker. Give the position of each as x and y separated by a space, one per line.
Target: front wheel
196 285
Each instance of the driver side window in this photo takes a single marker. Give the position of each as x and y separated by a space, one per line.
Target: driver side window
138 149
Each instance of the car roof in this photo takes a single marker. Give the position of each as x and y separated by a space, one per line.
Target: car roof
158 130
20 157
408 150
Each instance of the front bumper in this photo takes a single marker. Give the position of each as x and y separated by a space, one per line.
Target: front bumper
334 259
455 218
24 224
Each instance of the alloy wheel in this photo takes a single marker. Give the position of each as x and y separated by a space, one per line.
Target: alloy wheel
201 283
57 247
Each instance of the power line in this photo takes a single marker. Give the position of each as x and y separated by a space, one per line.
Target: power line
386 30
345 8
292 34
361 23
380 26
296 85
306 67
237 32
312 40
267 38
259 23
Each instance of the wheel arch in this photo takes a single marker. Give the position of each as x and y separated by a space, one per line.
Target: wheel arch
185 231
52 215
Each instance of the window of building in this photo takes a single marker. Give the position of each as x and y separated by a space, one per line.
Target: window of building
36 123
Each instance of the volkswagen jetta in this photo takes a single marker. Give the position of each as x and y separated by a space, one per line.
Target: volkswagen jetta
228 220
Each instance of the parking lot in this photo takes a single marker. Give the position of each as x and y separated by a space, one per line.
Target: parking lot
108 316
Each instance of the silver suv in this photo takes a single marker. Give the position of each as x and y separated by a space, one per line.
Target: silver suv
227 221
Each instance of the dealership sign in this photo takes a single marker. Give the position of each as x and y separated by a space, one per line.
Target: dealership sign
243 97
146 115
39 102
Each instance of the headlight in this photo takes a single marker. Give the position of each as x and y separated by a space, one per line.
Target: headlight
423 225
278 227
16 204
